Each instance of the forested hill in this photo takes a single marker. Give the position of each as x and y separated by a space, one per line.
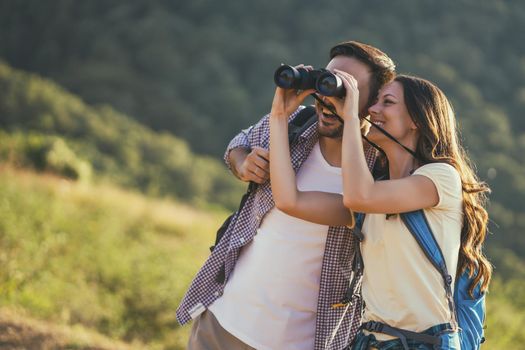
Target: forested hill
205 67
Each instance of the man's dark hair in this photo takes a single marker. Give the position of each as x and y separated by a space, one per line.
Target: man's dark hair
382 66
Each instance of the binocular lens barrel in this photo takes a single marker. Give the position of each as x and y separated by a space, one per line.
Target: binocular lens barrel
329 84
286 77
325 82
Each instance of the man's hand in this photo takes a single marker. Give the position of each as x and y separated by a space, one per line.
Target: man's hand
250 166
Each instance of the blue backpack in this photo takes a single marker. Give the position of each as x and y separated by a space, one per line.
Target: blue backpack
469 313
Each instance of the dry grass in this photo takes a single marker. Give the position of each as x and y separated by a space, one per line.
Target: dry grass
19 331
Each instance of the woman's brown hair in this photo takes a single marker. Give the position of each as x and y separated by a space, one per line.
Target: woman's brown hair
438 141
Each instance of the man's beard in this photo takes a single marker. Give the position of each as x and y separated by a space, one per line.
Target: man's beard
330 131
333 133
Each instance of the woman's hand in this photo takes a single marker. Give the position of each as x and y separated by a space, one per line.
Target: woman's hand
286 101
347 107
350 107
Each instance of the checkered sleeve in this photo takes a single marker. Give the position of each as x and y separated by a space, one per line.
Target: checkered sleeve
370 156
248 138
240 140
257 135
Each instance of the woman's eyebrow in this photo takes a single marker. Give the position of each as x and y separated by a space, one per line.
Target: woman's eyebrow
384 96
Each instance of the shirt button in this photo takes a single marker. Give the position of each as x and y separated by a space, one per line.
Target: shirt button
258 217
216 294
241 240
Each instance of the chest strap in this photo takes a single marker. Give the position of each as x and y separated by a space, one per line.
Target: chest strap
402 334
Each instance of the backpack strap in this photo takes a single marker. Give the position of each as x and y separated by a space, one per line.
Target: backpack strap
357 264
302 121
418 225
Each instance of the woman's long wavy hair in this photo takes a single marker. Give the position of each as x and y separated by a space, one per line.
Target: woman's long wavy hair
438 141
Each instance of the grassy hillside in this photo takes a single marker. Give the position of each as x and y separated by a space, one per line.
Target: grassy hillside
18 331
107 259
117 263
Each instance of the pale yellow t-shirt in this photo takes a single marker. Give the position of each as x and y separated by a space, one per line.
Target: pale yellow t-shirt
400 286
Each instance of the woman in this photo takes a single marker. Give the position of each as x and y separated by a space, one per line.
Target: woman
400 287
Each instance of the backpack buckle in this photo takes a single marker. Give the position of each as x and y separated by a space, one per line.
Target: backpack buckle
374 326
448 280
358 233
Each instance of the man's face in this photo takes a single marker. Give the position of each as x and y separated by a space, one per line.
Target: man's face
329 125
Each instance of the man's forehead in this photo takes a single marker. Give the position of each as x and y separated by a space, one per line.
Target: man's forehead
361 71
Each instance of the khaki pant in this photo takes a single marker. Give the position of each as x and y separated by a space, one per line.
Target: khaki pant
208 334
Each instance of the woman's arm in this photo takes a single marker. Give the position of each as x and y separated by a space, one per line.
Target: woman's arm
318 207
363 194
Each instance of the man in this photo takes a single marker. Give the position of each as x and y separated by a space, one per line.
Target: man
273 280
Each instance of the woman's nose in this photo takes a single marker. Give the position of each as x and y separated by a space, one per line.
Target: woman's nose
374 109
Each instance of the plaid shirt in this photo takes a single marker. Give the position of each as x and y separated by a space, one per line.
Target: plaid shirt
336 265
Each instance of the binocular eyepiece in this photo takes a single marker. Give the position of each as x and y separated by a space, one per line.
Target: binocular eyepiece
322 80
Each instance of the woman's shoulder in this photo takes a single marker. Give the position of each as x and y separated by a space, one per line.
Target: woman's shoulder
439 168
445 177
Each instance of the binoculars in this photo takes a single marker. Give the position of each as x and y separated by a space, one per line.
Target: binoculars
322 80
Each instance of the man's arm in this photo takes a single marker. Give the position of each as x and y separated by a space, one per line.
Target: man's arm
250 165
247 153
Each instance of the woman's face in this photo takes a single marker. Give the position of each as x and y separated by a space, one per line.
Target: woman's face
391 114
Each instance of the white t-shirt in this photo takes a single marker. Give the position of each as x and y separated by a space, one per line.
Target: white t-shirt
400 286
270 300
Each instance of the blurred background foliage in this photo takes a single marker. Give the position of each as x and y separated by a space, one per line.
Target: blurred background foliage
145 95
48 128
